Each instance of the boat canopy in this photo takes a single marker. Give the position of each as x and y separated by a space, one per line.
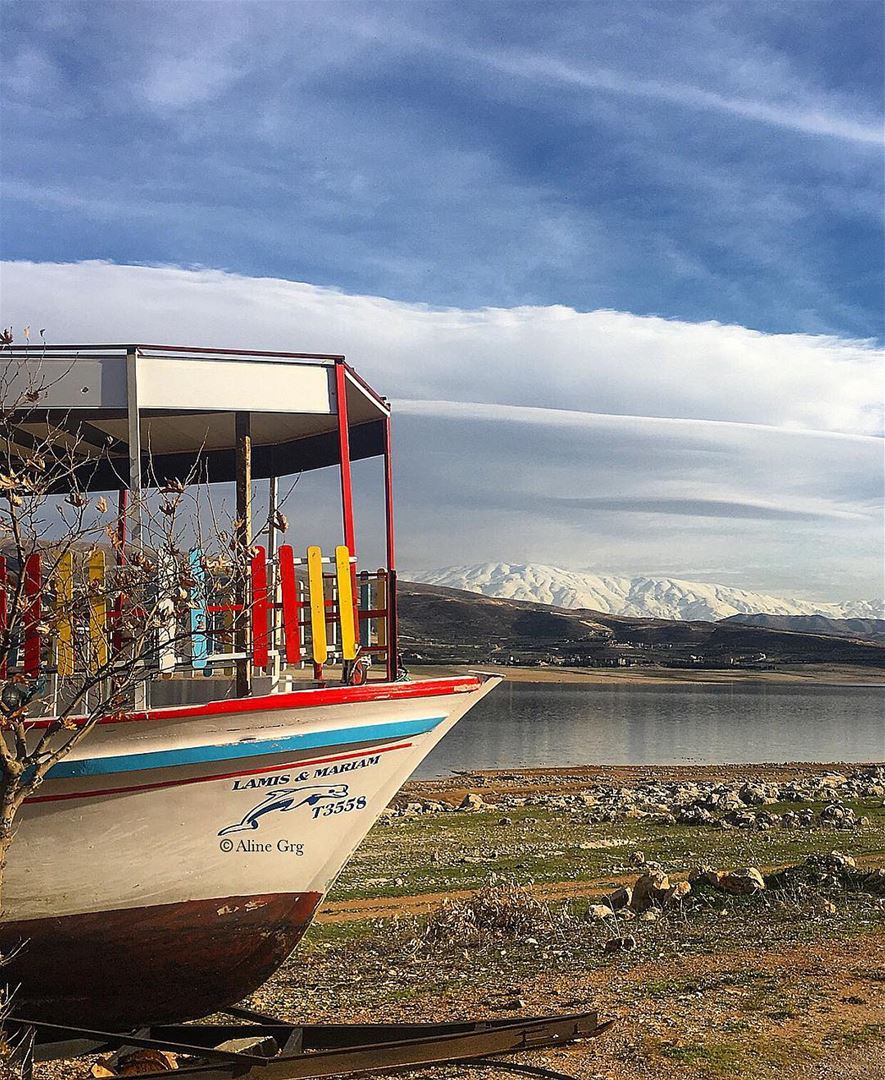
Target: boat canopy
136 417
180 404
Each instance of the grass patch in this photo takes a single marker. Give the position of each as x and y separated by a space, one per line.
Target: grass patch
451 851
725 1058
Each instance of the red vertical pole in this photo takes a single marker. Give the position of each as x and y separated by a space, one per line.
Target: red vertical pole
392 658
346 484
33 589
344 454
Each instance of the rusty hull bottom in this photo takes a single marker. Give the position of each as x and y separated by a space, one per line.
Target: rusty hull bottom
121 969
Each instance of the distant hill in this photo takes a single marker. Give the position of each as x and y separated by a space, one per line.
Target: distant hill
638 597
439 623
863 629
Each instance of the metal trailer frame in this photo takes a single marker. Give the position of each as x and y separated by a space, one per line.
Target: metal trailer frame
310 1051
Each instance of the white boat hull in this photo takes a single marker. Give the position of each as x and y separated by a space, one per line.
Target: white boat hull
170 864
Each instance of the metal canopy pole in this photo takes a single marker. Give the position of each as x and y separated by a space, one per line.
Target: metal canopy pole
134 421
243 527
392 658
130 510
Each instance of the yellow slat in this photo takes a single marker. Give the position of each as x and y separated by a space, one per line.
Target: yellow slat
317 605
64 592
345 603
98 610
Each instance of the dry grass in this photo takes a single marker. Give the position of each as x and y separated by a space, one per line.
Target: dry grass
498 910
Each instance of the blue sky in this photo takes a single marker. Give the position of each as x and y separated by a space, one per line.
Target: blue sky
619 265
701 161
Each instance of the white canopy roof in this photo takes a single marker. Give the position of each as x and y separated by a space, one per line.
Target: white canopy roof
187 400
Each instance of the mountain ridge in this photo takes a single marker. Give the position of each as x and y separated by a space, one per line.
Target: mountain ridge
633 597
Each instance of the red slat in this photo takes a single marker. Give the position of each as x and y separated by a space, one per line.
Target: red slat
32 590
291 606
260 634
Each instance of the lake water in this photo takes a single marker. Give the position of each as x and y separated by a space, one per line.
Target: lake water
538 724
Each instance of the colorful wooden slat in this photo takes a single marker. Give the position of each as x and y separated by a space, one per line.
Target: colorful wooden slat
320 649
290 603
345 603
33 586
199 614
64 598
260 609
98 611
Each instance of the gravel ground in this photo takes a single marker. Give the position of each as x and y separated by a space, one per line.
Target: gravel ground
786 983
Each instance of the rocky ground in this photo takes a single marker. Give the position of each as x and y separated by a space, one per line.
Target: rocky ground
731 920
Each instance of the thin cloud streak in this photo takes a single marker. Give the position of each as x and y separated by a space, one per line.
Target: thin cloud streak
578 418
809 121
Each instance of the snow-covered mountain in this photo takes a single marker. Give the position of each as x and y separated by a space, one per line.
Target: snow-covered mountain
639 597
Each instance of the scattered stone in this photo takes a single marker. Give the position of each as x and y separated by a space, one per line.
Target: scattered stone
841 860
677 893
620 944
472 801
506 821
600 911
138 1062
620 898
638 858
649 889
743 882
514 1003
704 875
823 906
838 816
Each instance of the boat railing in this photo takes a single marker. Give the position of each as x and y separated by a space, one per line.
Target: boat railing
288 617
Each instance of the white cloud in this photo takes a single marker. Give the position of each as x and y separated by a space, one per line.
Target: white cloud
631 444
553 357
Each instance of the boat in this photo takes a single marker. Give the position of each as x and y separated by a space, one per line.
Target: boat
173 860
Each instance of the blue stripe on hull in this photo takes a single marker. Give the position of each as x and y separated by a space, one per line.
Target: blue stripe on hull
198 755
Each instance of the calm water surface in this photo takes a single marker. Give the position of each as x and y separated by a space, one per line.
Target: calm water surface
536 724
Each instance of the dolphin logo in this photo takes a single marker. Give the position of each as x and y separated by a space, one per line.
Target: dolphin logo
287 799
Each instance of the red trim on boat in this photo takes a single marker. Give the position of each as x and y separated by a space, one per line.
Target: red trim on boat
297 699
215 776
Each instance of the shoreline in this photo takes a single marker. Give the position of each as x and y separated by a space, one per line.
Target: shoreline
799 675
565 779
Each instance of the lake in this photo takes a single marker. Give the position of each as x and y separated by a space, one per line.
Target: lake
540 724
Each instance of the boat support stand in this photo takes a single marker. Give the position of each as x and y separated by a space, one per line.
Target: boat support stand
259 1047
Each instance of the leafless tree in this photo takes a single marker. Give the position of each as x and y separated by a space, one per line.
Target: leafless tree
85 618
